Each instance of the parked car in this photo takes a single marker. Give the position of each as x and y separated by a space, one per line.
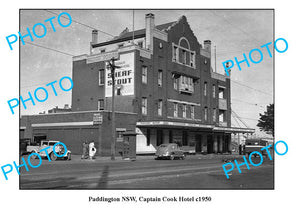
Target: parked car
59 149
169 151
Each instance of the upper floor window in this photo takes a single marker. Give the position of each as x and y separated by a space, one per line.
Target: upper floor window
192 111
101 77
175 53
100 104
141 44
159 79
102 50
144 106
183 56
175 109
205 89
221 92
214 115
205 113
121 45
186 84
214 91
175 83
182 53
144 74
221 116
192 59
184 111
159 107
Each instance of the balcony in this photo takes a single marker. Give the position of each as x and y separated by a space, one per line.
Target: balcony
222 104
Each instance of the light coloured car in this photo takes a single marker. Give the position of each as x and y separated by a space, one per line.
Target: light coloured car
59 149
169 151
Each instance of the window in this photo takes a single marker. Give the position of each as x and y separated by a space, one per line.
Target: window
175 83
214 114
102 50
159 107
221 92
101 77
184 56
100 104
118 90
175 110
221 116
184 111
214 91
192 59
175 53
121 45
205 113
140 44
159 78
191 85
192 111
144 74
144 106
186 84
205 88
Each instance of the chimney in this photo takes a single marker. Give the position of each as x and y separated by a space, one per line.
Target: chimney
94 39
94 36
149 31
207 45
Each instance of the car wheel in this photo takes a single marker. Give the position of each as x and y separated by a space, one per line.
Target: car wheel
69 156
53 156
172 157
183 157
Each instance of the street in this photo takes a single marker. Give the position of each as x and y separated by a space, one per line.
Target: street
195 172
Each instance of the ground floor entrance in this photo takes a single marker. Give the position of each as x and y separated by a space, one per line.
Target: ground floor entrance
190 140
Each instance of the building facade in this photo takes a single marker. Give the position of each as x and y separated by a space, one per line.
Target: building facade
164 80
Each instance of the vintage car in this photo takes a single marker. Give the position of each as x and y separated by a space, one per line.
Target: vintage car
169 151
255 145
59 149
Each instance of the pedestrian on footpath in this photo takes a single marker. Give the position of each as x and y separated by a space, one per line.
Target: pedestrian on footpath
92 150
84 150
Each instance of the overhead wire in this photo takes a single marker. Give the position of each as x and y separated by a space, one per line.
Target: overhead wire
75 21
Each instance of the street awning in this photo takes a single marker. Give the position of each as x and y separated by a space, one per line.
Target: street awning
171 124
233 129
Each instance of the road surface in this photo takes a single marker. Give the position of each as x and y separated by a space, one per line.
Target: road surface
145 173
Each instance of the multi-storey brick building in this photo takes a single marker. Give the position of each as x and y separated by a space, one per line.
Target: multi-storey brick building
165 83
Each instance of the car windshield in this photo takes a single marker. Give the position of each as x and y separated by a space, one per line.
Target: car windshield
163 145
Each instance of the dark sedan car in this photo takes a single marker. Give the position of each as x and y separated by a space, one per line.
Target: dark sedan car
170 151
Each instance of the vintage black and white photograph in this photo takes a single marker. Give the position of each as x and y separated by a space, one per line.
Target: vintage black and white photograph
143 99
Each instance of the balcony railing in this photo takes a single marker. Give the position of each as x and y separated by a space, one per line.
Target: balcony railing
222 104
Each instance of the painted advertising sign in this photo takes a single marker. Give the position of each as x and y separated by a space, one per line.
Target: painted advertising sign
124 76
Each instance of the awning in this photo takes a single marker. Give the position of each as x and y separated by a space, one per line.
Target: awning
172 124
233 129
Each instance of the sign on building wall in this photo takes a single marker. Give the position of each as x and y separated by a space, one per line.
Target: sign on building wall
97 119
124 76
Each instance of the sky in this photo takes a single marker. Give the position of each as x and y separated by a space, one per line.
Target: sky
232 32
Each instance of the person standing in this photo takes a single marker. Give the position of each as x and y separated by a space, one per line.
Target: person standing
84 150
92 150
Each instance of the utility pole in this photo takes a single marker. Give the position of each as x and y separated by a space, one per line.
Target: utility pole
112 67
